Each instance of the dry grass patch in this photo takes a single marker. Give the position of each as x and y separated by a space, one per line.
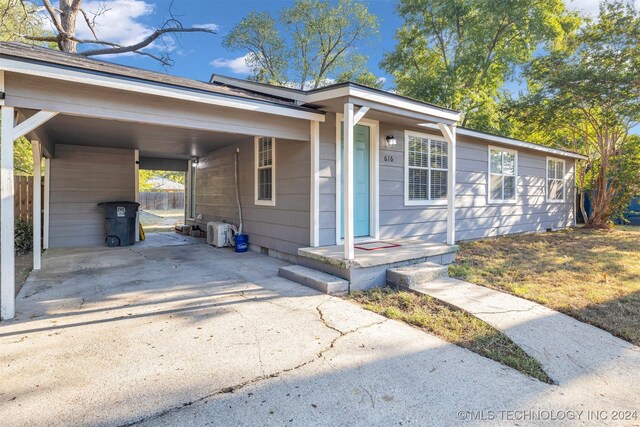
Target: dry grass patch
592 275
450 324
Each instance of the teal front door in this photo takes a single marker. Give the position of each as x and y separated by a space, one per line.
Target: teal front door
361 180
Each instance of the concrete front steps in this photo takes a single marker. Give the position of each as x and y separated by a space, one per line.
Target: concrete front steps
315 279
412 276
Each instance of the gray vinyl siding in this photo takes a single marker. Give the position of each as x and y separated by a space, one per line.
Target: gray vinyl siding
328 181
80 178
427 223
475 217
283 227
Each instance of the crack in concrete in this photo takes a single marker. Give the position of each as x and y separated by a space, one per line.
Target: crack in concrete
524 310
255 337
236 387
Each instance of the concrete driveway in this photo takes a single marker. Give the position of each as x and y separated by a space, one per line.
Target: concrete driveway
173 332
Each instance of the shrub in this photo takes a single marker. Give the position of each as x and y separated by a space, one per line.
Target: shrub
24 236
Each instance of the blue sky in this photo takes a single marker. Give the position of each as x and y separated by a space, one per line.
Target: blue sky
199 55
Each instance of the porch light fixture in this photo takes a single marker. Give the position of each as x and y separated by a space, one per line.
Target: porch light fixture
194 163
391 141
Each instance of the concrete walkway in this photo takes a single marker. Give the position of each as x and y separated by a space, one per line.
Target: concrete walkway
172 332
567 348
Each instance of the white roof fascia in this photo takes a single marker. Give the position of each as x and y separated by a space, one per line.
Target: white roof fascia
380 98
149 88
511 142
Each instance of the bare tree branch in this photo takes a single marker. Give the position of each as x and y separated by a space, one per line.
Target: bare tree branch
144 43
90 23
75 39
54 16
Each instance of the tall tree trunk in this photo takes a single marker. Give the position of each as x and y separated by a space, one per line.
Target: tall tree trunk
68 16
600 215
582 208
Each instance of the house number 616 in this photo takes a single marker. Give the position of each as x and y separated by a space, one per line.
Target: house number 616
388 158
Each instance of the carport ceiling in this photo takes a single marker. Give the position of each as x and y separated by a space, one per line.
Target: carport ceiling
151 140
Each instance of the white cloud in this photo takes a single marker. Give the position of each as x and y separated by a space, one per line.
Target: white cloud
237 65
588 7
210 26
119 23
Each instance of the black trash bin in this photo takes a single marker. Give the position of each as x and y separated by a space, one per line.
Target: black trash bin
121 223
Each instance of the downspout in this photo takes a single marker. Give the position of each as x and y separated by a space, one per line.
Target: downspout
238 189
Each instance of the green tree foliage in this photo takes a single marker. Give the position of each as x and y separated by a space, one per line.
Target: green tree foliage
20 19
145 175
459 53
310 44
585 97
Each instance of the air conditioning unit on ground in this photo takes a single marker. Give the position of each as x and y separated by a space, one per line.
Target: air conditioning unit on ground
218 234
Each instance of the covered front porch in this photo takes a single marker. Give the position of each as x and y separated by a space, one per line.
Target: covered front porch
396 234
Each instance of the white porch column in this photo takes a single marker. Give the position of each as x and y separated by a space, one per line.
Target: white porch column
37 205
449 132
314 205
347 203
7 236
47 183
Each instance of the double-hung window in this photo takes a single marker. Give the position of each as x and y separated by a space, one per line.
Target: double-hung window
555 180
426 169
503 175
265 171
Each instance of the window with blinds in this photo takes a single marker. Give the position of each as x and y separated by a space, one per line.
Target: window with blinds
426 169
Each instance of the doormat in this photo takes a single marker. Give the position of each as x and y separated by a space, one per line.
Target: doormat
374 246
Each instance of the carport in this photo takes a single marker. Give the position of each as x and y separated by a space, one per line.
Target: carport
96 123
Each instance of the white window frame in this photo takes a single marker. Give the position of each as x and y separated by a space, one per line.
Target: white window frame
428 202
257 167
564 180
490 200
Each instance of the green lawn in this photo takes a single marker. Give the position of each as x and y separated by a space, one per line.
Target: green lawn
449 324
592 275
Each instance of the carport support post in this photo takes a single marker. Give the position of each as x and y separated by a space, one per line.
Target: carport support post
7 236
37 204
347 158
449 133
47 174
136 178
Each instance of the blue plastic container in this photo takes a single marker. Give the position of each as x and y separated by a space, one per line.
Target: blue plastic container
242 242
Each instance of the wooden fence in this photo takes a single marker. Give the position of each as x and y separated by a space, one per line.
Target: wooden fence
158 200
23 197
